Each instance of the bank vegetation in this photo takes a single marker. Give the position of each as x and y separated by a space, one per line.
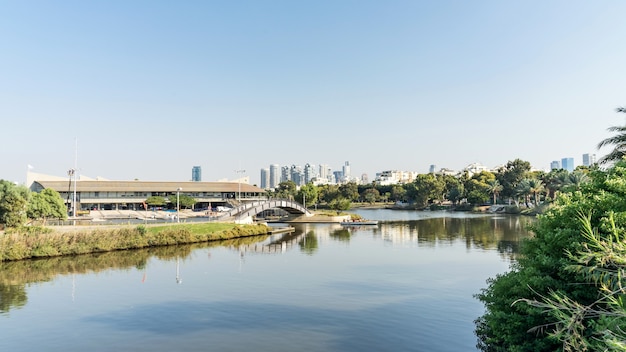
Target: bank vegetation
41 242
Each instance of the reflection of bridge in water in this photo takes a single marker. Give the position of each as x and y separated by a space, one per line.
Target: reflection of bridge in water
246 211
278 243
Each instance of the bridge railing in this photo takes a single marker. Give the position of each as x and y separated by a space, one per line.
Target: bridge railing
259 206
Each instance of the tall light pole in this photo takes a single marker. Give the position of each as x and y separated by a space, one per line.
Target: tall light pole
72 174
178 204
239 183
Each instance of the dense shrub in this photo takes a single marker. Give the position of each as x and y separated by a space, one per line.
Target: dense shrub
544 269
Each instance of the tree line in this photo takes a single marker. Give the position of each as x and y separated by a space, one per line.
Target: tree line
512 183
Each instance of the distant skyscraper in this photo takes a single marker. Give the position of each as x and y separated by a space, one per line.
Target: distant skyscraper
196 174
265 178
567 164
432 168
309 173
284 174
296 175
346 170
589 159
555 165
338 176
324 172
274 175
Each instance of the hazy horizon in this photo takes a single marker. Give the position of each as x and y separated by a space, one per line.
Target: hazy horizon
149 89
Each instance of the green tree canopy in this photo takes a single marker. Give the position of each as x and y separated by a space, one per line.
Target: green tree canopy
328 192
308 192
46 204
340 204
510 175
156 201
349 191
286 190
185 201
477 187
426 188
371 195
13 204
544 268
398 193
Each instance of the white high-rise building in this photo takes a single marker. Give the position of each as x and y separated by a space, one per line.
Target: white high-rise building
274 176
325 172
309 173
346 171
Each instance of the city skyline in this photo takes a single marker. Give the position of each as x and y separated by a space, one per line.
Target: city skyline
257 179
148 90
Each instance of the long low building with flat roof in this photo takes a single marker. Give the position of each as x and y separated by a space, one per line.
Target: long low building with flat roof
131 195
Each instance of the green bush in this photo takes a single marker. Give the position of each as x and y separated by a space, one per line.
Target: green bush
544 269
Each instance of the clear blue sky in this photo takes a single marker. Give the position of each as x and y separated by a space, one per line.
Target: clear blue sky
151 88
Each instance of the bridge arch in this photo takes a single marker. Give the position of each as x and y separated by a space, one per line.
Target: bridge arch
248 210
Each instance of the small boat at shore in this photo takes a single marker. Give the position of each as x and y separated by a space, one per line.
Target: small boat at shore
359 222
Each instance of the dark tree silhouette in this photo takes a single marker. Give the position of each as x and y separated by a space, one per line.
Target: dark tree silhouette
618 141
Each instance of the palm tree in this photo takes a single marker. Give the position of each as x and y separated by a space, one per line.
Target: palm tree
494 187
523 190
618 142
536 187
554 181
577 178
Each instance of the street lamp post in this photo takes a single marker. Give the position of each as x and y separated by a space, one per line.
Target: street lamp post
178 204
239 184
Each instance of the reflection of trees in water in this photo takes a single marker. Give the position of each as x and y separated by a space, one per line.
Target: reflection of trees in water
16 275
12 296
502 233
308 243
342 235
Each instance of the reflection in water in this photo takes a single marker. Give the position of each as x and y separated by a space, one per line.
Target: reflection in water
178 279
502 233
308 243
342 235
15 276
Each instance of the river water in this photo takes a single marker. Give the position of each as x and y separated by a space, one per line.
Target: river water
406 284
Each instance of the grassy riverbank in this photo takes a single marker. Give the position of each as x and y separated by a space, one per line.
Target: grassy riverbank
41 242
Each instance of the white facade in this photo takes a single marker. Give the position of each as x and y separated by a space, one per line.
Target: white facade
475 168
393 177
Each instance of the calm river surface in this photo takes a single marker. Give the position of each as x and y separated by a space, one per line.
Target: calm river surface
404 285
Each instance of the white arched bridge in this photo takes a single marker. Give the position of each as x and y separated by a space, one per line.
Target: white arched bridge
246 211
